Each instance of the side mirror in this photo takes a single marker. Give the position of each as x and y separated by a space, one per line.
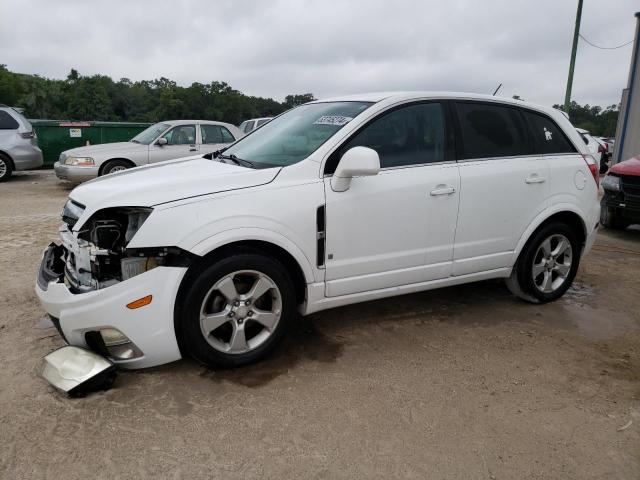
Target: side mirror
162 141
356 162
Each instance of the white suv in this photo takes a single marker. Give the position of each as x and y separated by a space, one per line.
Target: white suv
331 203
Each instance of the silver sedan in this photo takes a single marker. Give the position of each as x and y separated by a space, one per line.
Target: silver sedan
162 141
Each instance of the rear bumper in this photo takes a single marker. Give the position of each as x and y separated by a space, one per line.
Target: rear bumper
74 174
150 328
26 158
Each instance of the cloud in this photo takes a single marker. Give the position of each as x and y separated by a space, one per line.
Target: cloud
329 48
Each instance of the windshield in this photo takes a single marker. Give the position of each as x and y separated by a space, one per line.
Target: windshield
296 134
150 134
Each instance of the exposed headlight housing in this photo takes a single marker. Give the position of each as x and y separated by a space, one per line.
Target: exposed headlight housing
79 161
612 183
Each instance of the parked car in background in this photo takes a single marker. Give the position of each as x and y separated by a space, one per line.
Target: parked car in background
162 141
620 205
249 125
596 147
18 143
333 202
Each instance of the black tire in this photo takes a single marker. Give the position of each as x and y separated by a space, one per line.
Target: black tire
191 337
610 218
116 165
521 283
6 168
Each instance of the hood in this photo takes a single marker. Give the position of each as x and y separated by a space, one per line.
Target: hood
628 167
166 182
93 150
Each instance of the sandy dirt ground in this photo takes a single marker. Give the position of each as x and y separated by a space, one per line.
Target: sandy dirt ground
465 382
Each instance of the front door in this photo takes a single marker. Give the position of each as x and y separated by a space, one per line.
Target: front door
181 142
398 227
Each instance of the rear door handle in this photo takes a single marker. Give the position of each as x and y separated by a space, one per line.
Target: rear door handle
535 178
442 191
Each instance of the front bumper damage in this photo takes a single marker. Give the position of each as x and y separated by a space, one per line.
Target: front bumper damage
92 286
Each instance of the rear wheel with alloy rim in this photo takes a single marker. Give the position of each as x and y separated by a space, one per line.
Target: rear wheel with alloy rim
547 265
237 310
5 168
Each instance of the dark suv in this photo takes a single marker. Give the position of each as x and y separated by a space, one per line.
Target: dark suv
621 201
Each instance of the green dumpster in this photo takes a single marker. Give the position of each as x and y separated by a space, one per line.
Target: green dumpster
56 136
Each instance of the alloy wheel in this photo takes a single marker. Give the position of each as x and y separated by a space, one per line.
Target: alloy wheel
240 312
552 263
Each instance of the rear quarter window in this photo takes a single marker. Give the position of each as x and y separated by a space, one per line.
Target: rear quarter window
7 122
547 136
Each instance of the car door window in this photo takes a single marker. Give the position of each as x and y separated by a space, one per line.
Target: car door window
248 127
412 135
262 122
7 122
490 131
181 135
216 134
548 137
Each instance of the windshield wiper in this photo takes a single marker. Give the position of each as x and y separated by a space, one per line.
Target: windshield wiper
238 161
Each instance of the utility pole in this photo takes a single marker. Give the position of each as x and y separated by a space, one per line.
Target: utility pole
576 32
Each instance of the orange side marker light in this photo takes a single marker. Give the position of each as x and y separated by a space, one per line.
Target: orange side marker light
141 302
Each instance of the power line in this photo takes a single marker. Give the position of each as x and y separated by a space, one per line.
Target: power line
604 48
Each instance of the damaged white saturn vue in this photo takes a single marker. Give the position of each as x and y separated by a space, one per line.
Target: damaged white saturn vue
331 203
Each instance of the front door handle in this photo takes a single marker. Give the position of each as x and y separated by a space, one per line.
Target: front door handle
442 190
535 178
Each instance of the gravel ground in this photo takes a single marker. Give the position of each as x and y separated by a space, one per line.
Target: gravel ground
464 382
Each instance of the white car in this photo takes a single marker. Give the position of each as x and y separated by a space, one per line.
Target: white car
331 203
250 125
160 142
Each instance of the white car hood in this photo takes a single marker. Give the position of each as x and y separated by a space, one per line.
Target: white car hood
95 150
164 182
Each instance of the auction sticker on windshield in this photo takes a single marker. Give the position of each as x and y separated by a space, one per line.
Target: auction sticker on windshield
337 120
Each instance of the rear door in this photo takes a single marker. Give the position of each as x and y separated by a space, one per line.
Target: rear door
214 137
504 184
395 228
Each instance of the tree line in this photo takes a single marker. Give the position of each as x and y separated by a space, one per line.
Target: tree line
98 97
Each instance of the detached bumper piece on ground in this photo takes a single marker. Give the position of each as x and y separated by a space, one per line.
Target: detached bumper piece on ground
77 371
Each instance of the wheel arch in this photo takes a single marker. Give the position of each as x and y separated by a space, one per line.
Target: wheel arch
567 214
123 159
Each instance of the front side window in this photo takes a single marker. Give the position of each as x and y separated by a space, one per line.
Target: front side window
181 135
296 134
7 122
150 134
548 137
489 131
411 135
248 126
262 122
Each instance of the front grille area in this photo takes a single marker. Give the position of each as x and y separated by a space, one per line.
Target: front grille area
631 189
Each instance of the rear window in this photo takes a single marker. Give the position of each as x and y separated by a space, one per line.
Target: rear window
490 131
7 122
547 136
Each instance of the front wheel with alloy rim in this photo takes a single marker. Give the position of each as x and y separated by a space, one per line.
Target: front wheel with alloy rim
113 166
236 310
547 265
5 168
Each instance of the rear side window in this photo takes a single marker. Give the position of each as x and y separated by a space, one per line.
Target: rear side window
411 135
548 137
7 122
215 134
490 131
262 122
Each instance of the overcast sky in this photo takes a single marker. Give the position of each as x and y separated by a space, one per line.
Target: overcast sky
276 47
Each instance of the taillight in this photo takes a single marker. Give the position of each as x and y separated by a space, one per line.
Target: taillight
593 167
31 134
601 149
